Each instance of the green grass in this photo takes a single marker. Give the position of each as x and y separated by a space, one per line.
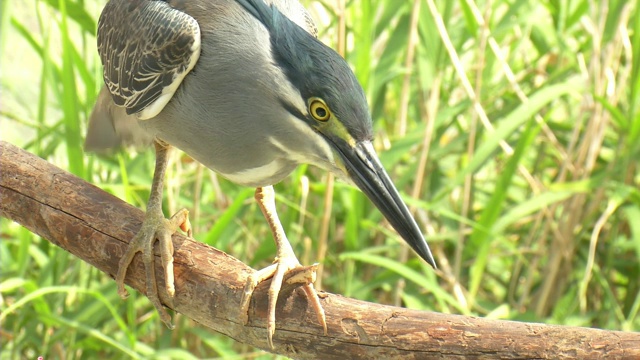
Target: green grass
513 131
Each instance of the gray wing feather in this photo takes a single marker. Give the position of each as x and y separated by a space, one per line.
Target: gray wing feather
110 127
295 11
146 48
292 9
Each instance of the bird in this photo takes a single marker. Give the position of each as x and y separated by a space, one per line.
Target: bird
247 89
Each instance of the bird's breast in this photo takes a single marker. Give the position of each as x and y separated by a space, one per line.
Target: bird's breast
263 175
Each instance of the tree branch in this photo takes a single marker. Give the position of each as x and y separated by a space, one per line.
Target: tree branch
80 218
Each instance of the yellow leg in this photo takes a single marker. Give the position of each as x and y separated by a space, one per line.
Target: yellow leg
285 261
155 227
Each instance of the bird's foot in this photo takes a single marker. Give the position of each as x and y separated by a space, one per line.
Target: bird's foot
277 272
155 227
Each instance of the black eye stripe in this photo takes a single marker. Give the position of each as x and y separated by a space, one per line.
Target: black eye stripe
292 109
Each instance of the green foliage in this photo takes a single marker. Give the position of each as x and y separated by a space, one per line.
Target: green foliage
515 125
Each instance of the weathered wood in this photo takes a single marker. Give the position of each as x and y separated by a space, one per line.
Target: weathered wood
96 227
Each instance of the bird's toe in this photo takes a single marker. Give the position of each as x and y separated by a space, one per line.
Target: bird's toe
284 270
154 228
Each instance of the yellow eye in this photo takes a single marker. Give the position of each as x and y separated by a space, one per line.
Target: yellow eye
319 109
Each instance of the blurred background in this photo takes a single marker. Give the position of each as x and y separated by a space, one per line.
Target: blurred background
511 127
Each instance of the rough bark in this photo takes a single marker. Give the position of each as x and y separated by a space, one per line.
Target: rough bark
80 218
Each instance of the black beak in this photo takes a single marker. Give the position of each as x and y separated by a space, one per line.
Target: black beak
365 170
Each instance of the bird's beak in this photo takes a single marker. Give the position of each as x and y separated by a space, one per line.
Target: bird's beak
364 168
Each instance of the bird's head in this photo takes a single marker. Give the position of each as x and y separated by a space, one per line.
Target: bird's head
337 110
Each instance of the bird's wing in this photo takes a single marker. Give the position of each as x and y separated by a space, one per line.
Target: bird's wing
295 11
267 10
146 48
110 127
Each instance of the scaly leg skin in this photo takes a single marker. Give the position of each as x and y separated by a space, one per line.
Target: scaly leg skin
155 226
285 261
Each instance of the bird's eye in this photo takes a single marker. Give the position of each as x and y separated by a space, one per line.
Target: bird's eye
319 109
